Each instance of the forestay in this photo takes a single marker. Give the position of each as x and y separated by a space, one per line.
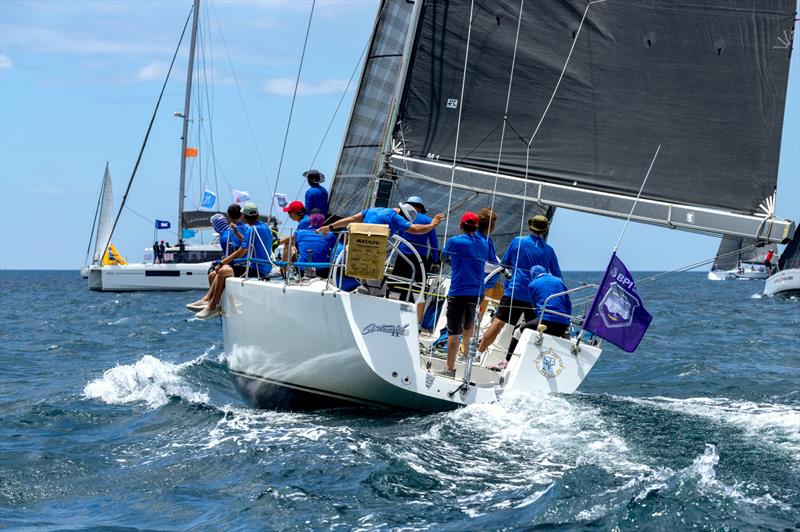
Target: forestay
706 81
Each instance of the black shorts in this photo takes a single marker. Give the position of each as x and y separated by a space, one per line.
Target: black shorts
238 269
403 269
553 328
508 314
460 313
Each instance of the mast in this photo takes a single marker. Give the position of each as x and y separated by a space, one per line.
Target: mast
187 101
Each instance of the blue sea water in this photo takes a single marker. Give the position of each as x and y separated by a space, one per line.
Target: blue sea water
117 410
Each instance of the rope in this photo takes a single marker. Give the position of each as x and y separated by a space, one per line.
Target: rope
291 107
147 134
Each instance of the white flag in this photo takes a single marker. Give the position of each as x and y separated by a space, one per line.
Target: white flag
281 200
240 196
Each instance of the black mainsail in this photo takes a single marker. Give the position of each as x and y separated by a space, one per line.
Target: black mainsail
706 80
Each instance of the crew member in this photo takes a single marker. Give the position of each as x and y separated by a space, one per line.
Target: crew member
522 254
487 219
398 219
316 195
257 239
467 254
297 212
426 245
542 286
312 246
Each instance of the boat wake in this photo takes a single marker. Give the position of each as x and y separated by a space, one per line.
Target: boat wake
775 424
149 380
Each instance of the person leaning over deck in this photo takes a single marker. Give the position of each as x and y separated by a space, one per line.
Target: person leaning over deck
312 246
316 195
398 219
522 254
542 286
257 239
467 254
426 245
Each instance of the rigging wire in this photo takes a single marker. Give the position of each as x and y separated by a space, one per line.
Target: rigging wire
149 129
291 107
241 100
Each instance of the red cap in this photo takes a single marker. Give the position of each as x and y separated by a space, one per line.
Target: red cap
295 206
469 218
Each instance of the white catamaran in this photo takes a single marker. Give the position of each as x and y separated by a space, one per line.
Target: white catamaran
182 269
522 107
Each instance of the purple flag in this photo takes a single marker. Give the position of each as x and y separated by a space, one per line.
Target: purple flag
617 313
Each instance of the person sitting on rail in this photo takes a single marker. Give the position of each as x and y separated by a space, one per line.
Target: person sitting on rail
257 241
467 254
542 286
312 246
297 212
230 229
398 219
522 254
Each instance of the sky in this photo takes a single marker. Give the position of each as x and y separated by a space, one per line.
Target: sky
79 81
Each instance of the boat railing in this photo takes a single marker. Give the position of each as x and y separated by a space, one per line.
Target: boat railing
577 319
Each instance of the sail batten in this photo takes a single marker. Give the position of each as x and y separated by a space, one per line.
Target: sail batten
706 80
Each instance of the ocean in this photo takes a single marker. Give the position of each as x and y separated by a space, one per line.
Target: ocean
117 411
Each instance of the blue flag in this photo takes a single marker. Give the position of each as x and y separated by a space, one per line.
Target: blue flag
617 313
188 233
162 224
208 200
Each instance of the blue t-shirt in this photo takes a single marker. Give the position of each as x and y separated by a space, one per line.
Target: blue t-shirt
303 223
532 251
494 260
467 254
317 198
259 238
385 215
313 247
543 287
426 244
228 241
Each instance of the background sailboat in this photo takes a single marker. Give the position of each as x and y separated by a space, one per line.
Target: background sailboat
739 258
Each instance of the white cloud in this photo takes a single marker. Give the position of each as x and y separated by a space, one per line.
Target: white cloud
5 62
51 40
285 87
156 70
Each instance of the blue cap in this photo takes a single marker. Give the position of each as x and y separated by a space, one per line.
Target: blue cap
537 271
417 201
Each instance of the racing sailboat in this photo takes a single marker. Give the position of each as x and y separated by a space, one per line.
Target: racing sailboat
101 225
743 259
522 106
786 281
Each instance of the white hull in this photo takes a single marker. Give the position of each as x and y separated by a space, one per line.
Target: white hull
85 273
304 346
134 277
735 274
786 282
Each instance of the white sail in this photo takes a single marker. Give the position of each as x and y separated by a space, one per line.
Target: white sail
105 218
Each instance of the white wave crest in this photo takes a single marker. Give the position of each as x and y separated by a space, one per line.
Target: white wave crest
149 380
775 424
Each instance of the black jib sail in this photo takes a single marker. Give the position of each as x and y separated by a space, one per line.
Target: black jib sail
372 109
705 80
790 258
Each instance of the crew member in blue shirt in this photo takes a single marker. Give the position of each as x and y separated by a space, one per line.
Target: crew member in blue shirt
467 254
487 219
522 254
314 247
297 212
426 245
542 286
230 229
316 195
256 240
400 218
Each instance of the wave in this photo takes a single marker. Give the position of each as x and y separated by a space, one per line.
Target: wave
148 380
776 424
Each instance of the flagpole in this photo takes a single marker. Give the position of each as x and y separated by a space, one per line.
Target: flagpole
624 227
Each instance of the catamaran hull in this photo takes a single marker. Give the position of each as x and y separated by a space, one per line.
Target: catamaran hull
305 347
135 277
785 283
